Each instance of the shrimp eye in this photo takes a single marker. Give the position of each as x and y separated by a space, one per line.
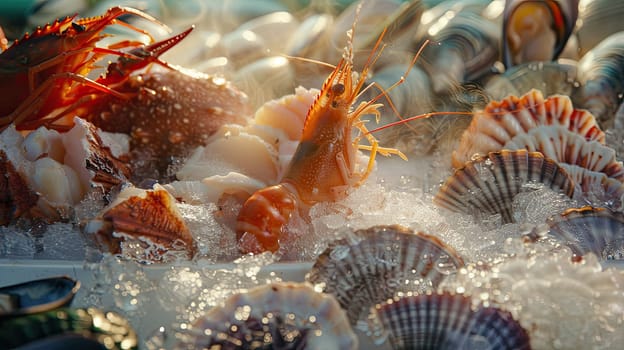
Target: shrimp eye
338 89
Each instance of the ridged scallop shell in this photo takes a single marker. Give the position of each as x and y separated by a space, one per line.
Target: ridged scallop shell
274 316
371 265
564 146
597 188
489 184
446 321
145 225
590 230
500 121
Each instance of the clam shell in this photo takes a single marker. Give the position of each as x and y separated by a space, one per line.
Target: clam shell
590 230
564 146
273 316
549 77
371 265
563 14
37 296
447 321
500 121
489 184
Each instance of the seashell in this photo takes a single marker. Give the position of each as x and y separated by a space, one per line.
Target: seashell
466 50
598 19
550 78
601 75
311 36
446 321
564 146
273 316
144 225
590 230
287 113
489 184
268 77
536 30
370 266
50 172
109 329
37 296
500 121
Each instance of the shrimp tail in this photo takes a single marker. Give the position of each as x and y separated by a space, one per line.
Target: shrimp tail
264 216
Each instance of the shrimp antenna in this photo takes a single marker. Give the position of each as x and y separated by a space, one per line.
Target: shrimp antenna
308 60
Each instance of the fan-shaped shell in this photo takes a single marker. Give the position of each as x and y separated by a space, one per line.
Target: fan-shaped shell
371 265
596 187
564 146
489 184
447 321
500 121
588 229
273 316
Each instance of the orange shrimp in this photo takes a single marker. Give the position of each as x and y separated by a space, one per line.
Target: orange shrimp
323 167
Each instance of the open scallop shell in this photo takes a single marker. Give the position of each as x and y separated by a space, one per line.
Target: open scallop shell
489 184
273 316
588 229
446 321
500 121
596 188
369 266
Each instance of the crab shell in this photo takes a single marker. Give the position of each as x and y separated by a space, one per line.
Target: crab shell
144 225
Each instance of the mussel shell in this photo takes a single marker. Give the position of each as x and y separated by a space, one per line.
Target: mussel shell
38 296
371 265
273 316
590 230
447 321
564 14
601 75
489 184
107 328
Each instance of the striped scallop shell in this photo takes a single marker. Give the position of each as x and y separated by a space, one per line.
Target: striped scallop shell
274 316
588 229
500 121
489 184
446 321
596 188
564 146
371 265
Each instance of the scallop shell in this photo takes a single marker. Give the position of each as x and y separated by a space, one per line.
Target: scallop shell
489 184
446 321
273 316
371 265
500 121
590 230
37 296
145 225
596 187
564 146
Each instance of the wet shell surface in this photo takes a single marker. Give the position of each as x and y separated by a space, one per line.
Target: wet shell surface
145 225
370 266
500 121
273 316
172 113
37 296
446 321
564 146
489 184
590 230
